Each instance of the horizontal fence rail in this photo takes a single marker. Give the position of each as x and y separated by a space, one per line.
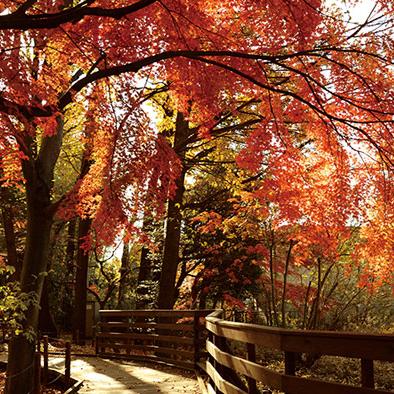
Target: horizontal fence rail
230 374
171 336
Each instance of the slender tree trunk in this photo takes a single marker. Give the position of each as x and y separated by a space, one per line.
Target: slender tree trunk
81 283
169 268
9 232
124 274
144 275
82 259
272 278
68 297
46 322
306 308
313 317
285 276
70 248
145 269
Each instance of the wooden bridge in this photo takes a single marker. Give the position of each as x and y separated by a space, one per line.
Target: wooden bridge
225 352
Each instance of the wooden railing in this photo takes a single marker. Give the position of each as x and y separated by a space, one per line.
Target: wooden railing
226 370
171 336
178 337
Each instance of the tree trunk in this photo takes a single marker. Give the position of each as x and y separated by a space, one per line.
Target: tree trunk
46 322
144 275
9 232
38 173
272 279
82 260
21 348
124 274
68 297
285 277
81 283
169 268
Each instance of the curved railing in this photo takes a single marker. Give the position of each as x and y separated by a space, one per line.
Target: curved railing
179 337
171 336
224 369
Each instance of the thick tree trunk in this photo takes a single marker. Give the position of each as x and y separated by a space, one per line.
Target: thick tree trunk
167 291
81 283
21 348
38 173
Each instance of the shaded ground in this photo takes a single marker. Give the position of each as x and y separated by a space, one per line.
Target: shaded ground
103 376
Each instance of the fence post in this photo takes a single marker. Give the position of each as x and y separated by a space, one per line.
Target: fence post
45 372
67 362
211 360
196 337
37 373
290 363
252 386
367 378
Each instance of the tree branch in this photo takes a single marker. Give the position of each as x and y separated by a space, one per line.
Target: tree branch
18 20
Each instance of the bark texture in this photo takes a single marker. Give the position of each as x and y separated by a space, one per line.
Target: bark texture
38 172
81 283
167 290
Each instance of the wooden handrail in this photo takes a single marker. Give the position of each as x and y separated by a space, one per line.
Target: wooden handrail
364 346
171 336
154 312
175 336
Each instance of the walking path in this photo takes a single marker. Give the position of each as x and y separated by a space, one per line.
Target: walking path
103 376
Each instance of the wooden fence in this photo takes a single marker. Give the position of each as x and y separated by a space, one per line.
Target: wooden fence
191 338
226 370
171 336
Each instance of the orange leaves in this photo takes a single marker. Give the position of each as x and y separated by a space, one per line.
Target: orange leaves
50 125
11 165
211 221
376 249
319 94
233 302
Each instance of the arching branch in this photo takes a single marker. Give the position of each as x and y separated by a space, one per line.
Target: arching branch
19 20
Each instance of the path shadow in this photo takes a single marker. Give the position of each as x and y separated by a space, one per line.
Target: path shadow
136 384
115 371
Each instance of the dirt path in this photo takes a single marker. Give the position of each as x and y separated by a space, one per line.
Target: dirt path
103 376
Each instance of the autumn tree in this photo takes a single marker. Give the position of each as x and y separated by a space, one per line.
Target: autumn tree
332 75
193 144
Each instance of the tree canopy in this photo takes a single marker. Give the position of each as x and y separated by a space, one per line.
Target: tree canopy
321 84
